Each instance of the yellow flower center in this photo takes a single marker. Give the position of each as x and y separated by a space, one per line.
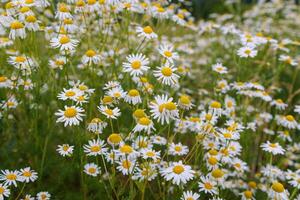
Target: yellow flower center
24 9
70 93
115 138
227 135
107 99
126 164
277 187
91 2
64 39
289 118
63 8
126 149
92 170
170 106
80 3
27 173
166 71
136 64
184 99
217 173
29 1
68 21
148 30
252 184
178 169
180 15
248 194
212 160
150 154
11 177
273 145
65 147
215 104
3 79
95 148
178 148
208 117
213 152
133 93
10 103
168 53
9 5
1 190
208 186
247 51
139 113
109 112
16 25
20 59
70 112
90 53
144 121
31 19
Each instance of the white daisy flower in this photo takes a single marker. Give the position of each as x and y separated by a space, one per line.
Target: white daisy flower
91 169
64 43
146 32
70 115
273 148
178 173
96 126
109 113
17 29
4 191
71 94
190 195
126 166
43 196
136 65
178 149
247 51
163 109
63 11
10 177
208 186
166 74
28 175
133 97
166 50
65 150
95 147
219 68
144 124
91 57
288 121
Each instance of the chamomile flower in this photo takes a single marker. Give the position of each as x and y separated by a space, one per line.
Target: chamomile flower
190 195
28 175
114 139
279 104
70 115
219 68
146 32
17 29
178 149
21 62
96 126
91 57
247 195
64 43
163 109
71 94
178 173
150 154
136 65
215 108
247 51
10 177
43 196
65 150
167 52
208 186
95 147
109 113
185 102
133 97
287 121
63 11
144 124
4 191
10 103
166 74
126 166
273 148
91 169
288 60
277 191
28 197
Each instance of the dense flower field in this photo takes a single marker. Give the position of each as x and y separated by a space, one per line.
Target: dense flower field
129 99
